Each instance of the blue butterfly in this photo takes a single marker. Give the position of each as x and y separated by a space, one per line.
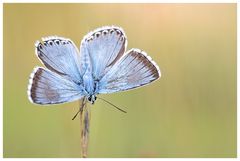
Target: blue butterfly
101 66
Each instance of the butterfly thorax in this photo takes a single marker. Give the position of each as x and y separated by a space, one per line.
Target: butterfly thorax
90 86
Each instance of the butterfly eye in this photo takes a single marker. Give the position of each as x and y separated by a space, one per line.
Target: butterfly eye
89 98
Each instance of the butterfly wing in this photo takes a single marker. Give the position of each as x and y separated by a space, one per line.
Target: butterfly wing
61 56
133 70
47 87
102 48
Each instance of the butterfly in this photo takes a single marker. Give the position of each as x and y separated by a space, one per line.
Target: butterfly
101 66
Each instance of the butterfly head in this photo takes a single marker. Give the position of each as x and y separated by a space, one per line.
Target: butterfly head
92 98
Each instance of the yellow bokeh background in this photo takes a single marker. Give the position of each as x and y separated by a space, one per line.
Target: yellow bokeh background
189 112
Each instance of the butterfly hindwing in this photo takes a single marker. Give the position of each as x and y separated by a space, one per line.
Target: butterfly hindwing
103 48
47 87
61 56
133 70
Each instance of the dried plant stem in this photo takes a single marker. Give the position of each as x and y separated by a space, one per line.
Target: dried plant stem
84 126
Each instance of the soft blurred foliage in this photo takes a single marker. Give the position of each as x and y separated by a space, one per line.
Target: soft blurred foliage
189 112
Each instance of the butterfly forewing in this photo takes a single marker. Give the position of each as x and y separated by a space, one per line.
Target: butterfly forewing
47 87
60 55
103 48
133 70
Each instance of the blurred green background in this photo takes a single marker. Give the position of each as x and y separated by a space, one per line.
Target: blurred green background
189 112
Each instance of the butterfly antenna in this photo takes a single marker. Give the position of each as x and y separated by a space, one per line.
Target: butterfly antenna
112 104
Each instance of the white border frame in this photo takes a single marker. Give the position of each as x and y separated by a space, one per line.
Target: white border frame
120 1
